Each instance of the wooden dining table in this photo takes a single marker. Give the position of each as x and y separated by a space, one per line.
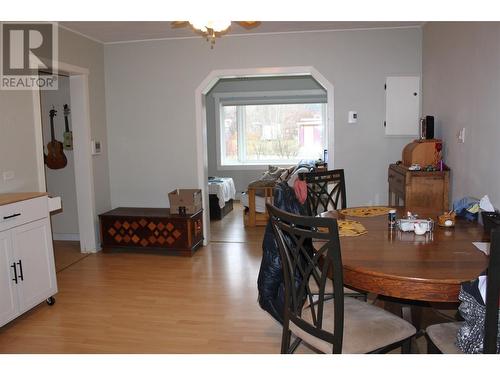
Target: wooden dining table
404 265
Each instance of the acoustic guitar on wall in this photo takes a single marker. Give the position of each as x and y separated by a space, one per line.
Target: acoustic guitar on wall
68 134
55 158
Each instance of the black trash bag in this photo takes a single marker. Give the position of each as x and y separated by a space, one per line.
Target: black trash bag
270 281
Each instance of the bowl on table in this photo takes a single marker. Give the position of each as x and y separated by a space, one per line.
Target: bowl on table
447 219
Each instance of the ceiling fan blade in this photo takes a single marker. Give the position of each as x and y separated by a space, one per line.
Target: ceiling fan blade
248 24
178 24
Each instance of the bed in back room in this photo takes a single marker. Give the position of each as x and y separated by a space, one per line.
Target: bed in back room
221 192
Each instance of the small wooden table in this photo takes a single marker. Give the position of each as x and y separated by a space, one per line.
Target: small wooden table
404 265
152 229
418 189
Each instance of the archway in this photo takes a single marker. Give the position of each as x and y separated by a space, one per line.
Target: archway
201 118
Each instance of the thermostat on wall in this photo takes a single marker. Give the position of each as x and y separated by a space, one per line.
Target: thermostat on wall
96 147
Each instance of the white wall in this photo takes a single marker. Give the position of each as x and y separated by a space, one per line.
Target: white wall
461 86
17 134
60 182
150 102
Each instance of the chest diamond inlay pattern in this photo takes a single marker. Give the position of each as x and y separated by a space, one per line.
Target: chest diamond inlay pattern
179 233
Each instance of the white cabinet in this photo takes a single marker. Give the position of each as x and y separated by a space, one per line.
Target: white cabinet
27 270
8 298
402 106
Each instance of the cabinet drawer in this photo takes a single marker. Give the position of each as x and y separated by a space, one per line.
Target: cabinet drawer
19 213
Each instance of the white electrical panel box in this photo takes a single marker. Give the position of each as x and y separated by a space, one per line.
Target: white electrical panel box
402 106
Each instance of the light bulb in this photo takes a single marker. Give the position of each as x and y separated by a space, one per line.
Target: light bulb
216 26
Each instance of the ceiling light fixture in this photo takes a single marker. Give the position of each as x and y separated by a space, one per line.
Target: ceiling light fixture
211 29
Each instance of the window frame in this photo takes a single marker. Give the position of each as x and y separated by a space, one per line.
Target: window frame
270 98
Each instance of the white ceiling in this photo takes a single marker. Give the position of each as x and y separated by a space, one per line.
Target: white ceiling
110 32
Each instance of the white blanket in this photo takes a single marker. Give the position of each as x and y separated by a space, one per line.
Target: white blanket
260 202
224 188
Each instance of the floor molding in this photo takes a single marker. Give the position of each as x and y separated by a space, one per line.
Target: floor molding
66 236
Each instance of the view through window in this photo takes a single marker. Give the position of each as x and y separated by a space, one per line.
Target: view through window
272 133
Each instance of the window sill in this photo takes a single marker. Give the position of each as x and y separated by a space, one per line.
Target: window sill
252 167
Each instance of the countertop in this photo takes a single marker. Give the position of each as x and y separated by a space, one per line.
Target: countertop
7 198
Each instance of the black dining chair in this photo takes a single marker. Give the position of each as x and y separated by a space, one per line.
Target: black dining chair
310 250
325 191
442 337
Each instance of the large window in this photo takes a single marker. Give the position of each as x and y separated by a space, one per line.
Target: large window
253 134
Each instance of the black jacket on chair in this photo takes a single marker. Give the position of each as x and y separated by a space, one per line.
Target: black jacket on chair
270 281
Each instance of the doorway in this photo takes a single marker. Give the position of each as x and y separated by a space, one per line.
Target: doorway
57 137
82 157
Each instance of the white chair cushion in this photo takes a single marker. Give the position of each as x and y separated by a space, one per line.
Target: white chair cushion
444 337
366 327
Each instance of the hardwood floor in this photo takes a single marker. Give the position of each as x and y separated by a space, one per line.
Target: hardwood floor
67 253
152 303
147 303
231 228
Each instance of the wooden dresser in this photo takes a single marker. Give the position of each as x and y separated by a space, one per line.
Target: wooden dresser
418 189
152 229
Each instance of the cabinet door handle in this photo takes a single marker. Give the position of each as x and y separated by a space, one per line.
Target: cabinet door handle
11 216
13 265
20 270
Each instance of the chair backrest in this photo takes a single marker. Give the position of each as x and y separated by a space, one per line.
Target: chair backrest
325 191
310 253
492 295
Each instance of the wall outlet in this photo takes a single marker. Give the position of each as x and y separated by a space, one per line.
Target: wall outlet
461 136
8 175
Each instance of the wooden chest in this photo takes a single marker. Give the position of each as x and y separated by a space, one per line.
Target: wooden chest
418 189
152 229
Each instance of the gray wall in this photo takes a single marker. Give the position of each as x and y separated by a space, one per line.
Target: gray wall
60 182
17 141
80 51
461 87
17 128
150 102
242 177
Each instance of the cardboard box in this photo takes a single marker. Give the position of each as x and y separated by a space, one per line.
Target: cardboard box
188 198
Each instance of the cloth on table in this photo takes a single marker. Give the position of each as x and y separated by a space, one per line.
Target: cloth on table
350 228
366 211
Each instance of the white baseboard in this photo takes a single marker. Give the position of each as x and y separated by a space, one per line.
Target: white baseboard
66 236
